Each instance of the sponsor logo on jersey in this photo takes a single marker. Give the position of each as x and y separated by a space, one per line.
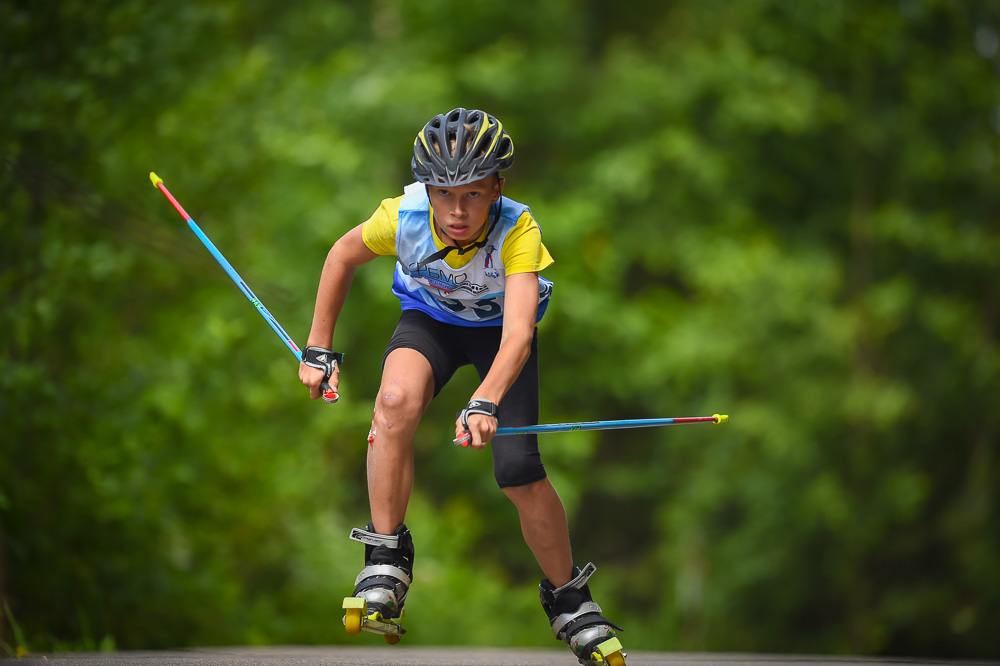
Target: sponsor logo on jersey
445 282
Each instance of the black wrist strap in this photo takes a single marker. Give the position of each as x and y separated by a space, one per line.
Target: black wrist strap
478 406
322 359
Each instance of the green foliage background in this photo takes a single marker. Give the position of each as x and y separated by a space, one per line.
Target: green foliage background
784 211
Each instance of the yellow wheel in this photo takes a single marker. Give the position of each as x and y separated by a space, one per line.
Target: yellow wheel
392 639
615 659
352 621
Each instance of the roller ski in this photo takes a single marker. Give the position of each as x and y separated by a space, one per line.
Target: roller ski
380 589
577 620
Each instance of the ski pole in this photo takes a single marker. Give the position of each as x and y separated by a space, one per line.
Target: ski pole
599 425
329 395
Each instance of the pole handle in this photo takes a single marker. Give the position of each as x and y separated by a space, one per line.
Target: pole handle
328 394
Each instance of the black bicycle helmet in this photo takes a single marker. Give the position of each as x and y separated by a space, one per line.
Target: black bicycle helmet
460 147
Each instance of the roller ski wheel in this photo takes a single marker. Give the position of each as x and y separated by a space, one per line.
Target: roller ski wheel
608 653
577 620
353 616
358 619
616 658
381 587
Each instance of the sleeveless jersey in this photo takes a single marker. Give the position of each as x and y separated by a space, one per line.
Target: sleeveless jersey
469 296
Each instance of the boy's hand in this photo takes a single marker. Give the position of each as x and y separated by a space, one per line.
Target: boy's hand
476 424
320 371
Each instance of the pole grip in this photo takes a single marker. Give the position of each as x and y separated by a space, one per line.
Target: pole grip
328 394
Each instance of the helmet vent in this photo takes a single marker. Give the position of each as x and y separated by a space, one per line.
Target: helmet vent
460 146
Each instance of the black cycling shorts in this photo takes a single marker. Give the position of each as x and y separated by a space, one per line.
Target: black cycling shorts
447 347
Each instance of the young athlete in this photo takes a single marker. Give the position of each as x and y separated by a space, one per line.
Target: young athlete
467 264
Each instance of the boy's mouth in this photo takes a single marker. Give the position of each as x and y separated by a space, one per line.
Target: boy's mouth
457 230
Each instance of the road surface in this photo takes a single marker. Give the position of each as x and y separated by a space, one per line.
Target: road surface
427 656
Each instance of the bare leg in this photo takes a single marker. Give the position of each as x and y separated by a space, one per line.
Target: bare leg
406 390
545 530
543 522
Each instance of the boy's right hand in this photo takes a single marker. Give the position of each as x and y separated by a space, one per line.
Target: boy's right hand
320 371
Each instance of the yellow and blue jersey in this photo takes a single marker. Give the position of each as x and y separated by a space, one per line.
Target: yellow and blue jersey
468 289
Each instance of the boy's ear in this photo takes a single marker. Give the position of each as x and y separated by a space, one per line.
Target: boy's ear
498 189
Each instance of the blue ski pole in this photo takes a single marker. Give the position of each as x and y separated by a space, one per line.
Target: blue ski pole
329 395
599 425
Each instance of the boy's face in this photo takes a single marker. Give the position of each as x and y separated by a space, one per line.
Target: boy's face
462 211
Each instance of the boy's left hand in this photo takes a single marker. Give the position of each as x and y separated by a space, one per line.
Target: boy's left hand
476 424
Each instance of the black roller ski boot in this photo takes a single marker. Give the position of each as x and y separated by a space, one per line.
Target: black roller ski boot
577 620
381 587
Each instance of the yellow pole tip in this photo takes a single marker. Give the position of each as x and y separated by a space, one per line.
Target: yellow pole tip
156 180
721 418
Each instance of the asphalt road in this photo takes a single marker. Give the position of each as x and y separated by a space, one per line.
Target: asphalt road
427 656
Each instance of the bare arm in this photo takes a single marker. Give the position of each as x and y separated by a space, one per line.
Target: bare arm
338 272
520 310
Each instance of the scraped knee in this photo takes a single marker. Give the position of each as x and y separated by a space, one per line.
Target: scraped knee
398 408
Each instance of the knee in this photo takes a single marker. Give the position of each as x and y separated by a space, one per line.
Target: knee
520 494
529 494
518 475
397 407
